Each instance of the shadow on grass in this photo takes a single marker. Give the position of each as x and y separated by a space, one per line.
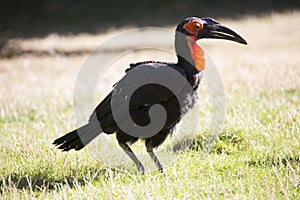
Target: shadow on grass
45 180
11 52
227 142
269 161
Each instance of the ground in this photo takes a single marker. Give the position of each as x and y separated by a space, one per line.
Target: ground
257 153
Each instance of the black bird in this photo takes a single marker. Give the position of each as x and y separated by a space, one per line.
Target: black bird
176 102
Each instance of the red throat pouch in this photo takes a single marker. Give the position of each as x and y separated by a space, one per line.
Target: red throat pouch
198 56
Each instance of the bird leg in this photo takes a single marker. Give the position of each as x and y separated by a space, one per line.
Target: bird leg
133 157
155 159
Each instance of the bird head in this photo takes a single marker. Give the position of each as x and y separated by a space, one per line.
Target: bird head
200 28
192 29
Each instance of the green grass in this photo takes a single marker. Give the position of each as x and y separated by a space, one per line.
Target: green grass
256 155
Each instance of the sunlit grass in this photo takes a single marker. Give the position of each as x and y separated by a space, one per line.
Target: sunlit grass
257 155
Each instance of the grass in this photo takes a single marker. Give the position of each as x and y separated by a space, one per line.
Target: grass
256 156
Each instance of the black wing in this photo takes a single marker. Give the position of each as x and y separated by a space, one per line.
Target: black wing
143 79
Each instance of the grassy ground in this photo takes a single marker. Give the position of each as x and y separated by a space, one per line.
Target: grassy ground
257 155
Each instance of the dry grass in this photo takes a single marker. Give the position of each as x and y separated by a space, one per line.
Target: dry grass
261 84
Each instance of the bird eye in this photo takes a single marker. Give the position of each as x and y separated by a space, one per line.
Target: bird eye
197 26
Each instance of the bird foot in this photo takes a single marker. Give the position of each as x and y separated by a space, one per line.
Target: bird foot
141 169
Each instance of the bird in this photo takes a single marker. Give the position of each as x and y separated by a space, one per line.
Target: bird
108 117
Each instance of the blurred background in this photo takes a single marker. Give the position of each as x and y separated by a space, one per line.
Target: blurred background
20 18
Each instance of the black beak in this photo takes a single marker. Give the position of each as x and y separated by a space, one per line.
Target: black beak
213 29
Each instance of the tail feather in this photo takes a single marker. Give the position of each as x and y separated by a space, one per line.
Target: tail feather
78 138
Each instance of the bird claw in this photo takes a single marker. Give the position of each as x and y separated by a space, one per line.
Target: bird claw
141 169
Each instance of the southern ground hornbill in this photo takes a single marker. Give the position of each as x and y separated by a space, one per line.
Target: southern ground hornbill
176 103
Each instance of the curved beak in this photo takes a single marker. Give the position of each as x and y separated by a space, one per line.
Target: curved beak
213 29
